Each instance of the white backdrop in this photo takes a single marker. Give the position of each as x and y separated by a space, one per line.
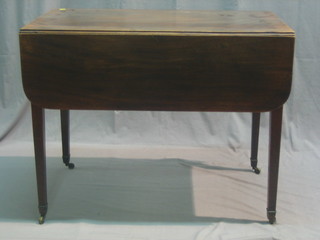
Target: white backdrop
189 133
301 131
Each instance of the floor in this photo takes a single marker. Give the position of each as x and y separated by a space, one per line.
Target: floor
125 192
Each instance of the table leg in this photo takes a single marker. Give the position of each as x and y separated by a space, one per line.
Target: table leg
255 142
274 155
65 135
40 158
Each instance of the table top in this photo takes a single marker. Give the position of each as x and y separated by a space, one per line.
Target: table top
160 21
165 60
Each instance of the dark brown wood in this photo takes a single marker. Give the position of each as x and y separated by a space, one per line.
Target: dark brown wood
198 69
156 72
40 157
168 21
274 156
157 60
65 136
255 141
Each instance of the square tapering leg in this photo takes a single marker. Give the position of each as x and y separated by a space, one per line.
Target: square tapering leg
255 142
40 158
274 155
65 135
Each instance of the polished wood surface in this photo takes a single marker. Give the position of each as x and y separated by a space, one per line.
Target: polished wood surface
39 135
178 60
255 141
120 20
274 159
157 60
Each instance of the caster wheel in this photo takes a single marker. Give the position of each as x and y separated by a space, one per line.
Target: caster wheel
71 166
271 216
272 219
41 220
256 170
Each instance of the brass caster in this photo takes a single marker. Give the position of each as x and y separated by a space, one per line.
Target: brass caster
271 216
41 219
256 170
272 220
66 161
70 165
254 163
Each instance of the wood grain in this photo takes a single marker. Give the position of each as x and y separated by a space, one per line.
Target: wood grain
156 72
157 60
170 71
159 21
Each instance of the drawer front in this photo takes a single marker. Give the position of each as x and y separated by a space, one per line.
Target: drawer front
156 72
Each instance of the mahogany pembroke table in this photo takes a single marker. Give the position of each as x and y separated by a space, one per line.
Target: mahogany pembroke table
158 60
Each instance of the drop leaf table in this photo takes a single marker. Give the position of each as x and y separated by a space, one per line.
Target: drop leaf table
158 60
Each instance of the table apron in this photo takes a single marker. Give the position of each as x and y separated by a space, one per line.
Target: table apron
156 72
